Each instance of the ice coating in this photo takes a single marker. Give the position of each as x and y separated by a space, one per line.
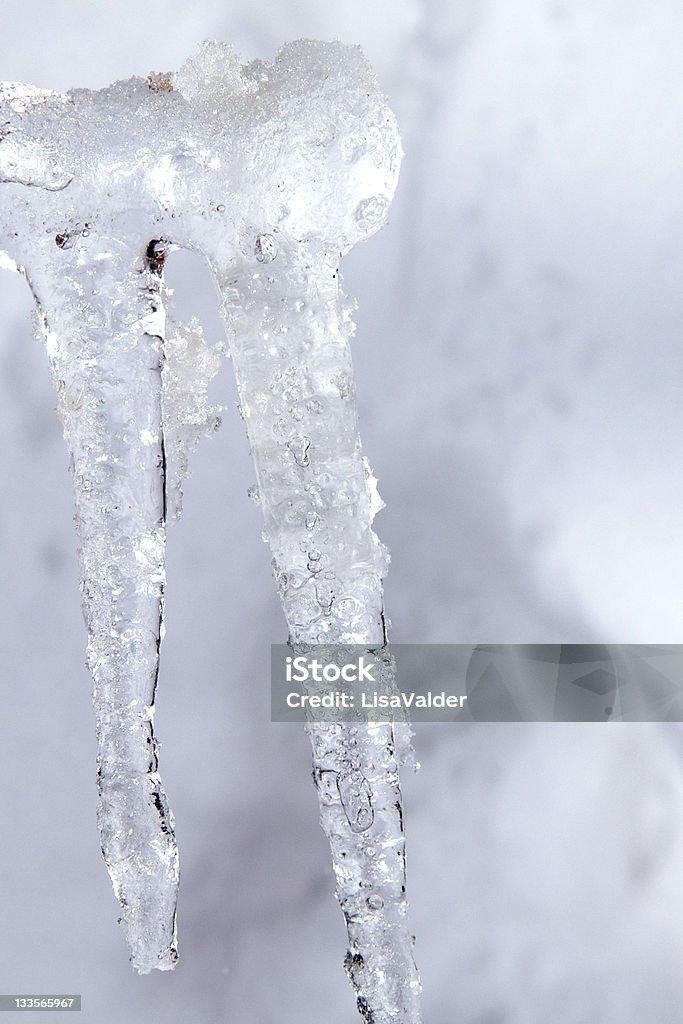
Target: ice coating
272 171
102 322
289 331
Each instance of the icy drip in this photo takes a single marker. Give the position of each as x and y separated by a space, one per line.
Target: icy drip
271 171
289 327
102 322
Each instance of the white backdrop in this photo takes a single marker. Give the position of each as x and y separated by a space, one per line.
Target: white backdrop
519 376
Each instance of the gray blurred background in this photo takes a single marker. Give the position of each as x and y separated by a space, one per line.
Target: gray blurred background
519 375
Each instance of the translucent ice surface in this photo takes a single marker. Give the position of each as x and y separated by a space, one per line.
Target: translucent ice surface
272 171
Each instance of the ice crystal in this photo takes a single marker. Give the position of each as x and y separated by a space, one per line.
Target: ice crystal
272 171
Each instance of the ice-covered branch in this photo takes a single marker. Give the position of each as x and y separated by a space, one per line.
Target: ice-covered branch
272 171
289 328
100 309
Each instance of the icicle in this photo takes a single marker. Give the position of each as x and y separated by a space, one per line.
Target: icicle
103 324
289 341
271 171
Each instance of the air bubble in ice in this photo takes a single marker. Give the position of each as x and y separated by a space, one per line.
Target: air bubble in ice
313 522
265 248
343 383
281 579
371 213
314 564
356 799
300 447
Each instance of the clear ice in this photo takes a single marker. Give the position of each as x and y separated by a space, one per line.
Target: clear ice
272 171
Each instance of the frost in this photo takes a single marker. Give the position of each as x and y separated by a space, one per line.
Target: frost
271 171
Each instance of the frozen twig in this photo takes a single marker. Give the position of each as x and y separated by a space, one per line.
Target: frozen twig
272 171
289 327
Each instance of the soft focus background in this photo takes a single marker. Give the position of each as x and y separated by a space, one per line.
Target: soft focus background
519 371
